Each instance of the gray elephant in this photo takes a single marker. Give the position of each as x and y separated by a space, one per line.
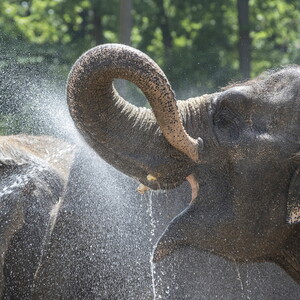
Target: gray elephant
238 148
34 174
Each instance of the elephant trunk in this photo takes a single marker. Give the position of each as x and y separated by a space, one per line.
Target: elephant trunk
104 118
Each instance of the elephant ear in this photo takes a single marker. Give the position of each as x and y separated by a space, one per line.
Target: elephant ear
293 201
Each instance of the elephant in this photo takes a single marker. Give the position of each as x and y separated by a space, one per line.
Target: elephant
34 174
238 148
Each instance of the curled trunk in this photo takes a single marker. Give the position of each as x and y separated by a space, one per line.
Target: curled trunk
106 120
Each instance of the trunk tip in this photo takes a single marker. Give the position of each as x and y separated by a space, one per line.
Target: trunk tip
195 150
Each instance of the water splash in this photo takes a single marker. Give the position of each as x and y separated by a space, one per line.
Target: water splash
239 278
19 181
152 234
153 273
244 290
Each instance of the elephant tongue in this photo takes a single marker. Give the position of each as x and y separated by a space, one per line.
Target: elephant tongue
194 186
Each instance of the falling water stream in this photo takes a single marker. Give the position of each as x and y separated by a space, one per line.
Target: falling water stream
152 234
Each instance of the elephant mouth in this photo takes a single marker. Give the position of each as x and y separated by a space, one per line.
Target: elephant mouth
153 183
163 172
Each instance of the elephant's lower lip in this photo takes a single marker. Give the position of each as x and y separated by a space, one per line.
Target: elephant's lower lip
194 184
160 185
164 185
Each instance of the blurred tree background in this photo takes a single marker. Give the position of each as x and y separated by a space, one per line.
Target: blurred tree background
200 44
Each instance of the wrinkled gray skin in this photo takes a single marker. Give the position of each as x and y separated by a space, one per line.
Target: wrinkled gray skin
246 159
34 173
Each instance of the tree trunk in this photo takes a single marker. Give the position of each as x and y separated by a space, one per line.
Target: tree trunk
97 24
125 21
244 38
164 25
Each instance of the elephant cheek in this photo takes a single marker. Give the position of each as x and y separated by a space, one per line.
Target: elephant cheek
171 240
166 248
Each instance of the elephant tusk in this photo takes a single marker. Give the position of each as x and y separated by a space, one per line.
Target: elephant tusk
194 186
142 189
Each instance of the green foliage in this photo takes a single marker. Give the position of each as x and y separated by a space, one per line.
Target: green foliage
275 33
195 42
202 52
47 21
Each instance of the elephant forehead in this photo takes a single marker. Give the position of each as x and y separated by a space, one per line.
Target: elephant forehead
277 87
281 88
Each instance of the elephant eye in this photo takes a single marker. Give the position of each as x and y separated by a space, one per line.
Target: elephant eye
227 122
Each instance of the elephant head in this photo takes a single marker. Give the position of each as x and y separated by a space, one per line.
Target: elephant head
239 146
